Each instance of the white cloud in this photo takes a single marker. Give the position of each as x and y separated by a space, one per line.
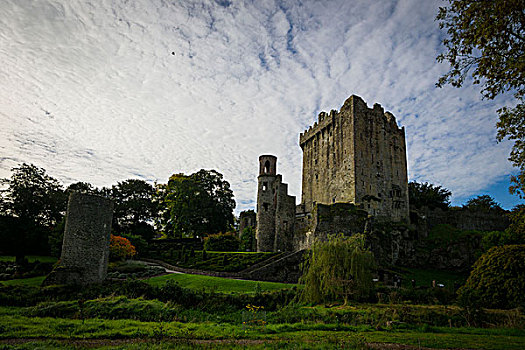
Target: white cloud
101 92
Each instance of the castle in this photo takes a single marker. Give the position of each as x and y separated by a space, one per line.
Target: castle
354 161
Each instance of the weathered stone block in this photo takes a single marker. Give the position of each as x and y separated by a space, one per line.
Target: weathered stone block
85 248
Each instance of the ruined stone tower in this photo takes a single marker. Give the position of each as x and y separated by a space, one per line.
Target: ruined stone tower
275 209
85 248
356 155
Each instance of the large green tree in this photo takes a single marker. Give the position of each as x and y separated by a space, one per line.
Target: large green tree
423 194
136 207
487 38
33 196
197 204
31 204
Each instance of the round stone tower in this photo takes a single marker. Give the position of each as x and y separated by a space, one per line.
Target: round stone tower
266 203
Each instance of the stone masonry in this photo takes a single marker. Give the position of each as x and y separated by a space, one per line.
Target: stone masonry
356 155
354 166
275 209
85 248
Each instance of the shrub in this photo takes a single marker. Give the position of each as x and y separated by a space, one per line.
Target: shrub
222 242
497 279
120 248
340 268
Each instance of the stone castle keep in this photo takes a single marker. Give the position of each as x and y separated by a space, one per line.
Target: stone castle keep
354 161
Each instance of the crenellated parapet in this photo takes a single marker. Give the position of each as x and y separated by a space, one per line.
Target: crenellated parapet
356 155
352 106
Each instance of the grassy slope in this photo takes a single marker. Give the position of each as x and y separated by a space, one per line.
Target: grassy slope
196 282
315 335
30 282
217 284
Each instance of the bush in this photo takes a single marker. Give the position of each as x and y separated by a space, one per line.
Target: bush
120 248
222 242
497 279
140 244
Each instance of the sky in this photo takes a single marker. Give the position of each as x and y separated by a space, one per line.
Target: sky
107 90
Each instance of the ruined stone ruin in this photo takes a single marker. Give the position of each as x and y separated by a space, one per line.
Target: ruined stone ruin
85 248
354 159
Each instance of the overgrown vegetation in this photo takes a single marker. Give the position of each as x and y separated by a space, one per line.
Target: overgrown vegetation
340 268
497 279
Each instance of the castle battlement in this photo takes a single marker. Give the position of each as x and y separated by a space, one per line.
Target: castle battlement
354 105
354 155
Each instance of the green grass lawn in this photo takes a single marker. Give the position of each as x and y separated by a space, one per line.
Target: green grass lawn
69 332
30 282
217 284
30 258
196 282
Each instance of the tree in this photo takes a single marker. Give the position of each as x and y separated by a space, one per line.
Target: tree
32 196
487 37
135 208
340 268
483 203
427 195
197 204
247 238
83 187
32 203
497 279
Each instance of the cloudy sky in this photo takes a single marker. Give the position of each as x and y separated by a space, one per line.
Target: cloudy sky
102 91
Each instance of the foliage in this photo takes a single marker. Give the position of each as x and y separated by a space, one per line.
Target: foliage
120 248
135 207
427 195
56 237
36 202
247 239
446 235
488 37
222 242
497 279
514 234
483 203
340 268
197 204
517 224
33 196
138 241
83 187
495 239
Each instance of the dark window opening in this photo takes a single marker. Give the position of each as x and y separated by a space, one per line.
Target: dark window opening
267 167
265 206
265 186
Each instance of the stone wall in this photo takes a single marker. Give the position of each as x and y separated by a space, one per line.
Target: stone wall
466 219
275 209
247 218
326 220
85 249
356 155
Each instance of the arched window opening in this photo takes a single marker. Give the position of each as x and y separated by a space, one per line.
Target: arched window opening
267 167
